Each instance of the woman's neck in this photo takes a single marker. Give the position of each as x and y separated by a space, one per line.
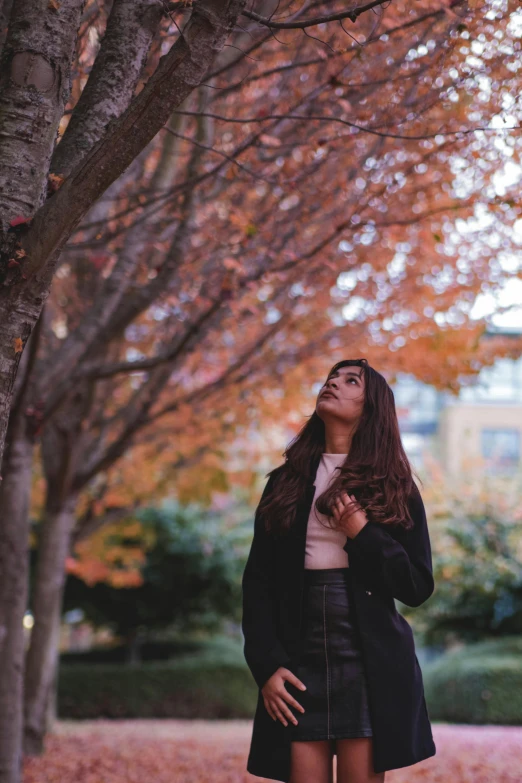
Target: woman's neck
337 445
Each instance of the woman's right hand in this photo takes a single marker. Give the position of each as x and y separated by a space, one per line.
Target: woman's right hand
276 696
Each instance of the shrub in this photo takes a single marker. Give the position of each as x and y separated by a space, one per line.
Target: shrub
477 559
480 683
189 688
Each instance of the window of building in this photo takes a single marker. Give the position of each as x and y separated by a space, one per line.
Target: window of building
501 448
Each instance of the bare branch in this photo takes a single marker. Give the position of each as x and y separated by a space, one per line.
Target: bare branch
372 131
352 15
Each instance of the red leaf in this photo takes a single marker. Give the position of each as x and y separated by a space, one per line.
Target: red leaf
17 220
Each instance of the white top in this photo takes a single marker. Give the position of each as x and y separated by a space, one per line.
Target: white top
324 546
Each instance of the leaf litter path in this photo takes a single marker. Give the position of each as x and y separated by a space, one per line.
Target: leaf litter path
197 751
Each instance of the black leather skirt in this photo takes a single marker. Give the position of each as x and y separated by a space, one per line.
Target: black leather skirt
330 665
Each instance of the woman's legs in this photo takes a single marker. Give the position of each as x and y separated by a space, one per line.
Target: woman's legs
312 762
355 763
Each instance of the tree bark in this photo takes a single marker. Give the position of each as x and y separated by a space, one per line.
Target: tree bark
123 52
62 447
34 88
41 660
14 544
35 70
15 495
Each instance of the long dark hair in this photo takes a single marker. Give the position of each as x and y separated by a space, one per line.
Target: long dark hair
376 471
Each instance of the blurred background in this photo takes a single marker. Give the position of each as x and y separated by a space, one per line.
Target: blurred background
150 624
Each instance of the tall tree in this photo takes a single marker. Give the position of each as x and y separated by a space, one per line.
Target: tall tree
34 87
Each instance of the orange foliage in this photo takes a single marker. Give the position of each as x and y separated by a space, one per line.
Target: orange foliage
102 558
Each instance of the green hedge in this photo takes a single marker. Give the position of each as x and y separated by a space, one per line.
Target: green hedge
481 683
184 689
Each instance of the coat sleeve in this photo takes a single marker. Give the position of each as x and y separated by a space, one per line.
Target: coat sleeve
263 650
400 563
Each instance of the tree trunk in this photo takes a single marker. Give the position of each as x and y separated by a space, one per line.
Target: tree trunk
34 87
35 73
113 78
62 446
14 544
41 660
51 713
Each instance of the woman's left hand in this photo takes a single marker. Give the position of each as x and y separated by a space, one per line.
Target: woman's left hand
349 515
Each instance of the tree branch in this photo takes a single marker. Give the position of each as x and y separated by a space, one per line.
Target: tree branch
178 73
113 78
352 15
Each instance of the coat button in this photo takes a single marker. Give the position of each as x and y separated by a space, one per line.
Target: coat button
369 592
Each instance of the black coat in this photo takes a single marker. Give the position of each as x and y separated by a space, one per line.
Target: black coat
385 563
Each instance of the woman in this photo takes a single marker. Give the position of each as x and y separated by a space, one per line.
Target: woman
339 533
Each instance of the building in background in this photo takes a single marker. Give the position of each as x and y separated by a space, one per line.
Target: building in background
480 428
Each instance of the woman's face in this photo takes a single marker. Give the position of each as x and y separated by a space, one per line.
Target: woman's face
342 395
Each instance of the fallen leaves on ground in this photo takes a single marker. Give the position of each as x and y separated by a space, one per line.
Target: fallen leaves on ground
197 751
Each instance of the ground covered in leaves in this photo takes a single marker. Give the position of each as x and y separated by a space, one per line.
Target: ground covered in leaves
183 751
